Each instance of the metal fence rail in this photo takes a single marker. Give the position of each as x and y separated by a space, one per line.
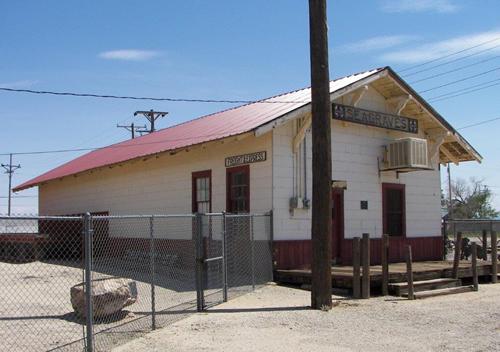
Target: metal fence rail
139 273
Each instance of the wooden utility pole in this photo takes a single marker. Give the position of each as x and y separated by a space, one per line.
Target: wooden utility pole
151 116
321 108
9 170
132 128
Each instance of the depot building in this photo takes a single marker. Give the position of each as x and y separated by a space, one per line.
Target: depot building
387 147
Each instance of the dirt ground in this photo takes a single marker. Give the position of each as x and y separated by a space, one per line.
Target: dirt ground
36 312
277 318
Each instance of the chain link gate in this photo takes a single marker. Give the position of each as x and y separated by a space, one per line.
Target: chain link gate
169 265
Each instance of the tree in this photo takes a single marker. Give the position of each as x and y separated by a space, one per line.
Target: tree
471 200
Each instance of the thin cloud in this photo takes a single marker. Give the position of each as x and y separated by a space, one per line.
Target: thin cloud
129 55
19 84
379 43
430 51
440 6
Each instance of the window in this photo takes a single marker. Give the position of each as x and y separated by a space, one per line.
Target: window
393 204
202 191
238 189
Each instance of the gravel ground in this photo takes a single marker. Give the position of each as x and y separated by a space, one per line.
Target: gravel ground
277 318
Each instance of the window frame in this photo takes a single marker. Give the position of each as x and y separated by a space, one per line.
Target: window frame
400 187
229 171
194 189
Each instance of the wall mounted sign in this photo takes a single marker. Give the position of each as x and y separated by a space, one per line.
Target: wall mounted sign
245 159
373 118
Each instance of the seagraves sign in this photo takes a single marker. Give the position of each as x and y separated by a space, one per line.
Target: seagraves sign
373 118
245 159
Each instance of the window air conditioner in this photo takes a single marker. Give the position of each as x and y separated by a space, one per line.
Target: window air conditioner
407 153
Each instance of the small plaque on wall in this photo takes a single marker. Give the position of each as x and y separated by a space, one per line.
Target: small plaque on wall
364 205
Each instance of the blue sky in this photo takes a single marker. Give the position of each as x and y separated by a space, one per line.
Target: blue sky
221 50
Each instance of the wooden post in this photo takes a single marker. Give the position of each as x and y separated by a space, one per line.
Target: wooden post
485 245
458 250
409 272
385 264
321 109
475 279
494 257
356 268
365 288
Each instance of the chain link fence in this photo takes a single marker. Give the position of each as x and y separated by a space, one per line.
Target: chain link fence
139 273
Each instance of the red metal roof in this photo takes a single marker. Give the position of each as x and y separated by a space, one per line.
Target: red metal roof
211 127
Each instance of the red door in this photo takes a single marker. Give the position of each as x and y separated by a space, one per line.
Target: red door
337 224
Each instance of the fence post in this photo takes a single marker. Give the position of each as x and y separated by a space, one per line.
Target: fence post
224 258
356 269
271 242
366 266
252 251
200 300
485 245
475 279
494 257
409 272
385 264
89 313
458 250
152 258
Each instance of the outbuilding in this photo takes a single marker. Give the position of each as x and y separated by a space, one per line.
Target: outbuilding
387 147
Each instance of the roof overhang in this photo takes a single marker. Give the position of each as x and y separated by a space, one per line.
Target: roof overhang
453 146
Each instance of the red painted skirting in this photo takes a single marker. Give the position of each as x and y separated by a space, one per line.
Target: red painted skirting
297 254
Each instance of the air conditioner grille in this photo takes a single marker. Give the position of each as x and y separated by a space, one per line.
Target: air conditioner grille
407 153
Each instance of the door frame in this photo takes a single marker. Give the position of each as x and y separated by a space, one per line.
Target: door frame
245 168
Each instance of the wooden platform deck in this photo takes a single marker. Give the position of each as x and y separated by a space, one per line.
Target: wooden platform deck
342 275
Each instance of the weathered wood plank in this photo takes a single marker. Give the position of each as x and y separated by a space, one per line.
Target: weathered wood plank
366 266
356 271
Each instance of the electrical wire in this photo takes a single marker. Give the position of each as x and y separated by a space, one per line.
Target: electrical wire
479 123
454 70
464 89
459 80
450 54
465 93
452 61
37 152
185 100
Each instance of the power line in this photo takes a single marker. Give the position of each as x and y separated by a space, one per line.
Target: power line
452 61
466 92
459 80
450 54
454 70
36 152
463 89
185 100
479 123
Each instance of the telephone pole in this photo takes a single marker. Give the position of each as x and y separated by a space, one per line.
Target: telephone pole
151 116
9 170
321 109
132 128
